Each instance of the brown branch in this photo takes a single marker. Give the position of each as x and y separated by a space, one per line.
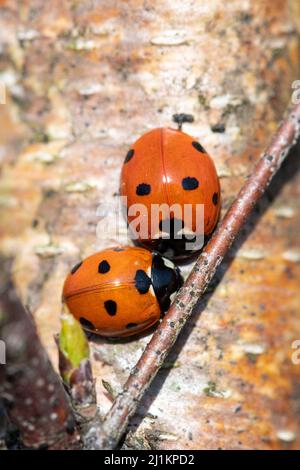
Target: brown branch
36 401
164 337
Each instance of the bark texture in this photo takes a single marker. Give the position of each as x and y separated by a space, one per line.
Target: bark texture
83 82
36 402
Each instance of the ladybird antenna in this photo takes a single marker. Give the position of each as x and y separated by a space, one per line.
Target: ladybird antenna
182 118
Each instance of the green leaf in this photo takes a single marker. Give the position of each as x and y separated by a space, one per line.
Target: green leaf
72 342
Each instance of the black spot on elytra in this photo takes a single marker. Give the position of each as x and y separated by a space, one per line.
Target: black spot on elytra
103 267
142 281
143 189
110 307
165 280
198 147
189 183
76 267
131 325
86 323
129 156
215 198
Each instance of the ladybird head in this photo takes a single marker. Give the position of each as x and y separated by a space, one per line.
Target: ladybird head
166 279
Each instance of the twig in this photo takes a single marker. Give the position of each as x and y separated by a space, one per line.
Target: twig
35 400
164 337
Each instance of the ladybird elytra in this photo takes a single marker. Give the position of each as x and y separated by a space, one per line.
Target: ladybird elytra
120 291
170 168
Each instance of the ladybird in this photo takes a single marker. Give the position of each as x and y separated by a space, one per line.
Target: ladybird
121 291
167 167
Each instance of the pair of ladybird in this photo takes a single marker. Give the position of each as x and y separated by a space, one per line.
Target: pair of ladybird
122 291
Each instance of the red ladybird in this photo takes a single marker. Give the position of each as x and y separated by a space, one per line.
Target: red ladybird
120 291
167 167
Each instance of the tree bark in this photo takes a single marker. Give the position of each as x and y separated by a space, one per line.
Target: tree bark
83 82
35 399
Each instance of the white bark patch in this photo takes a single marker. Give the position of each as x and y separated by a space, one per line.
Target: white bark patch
8 78
223 171
253 348
78 187
48 251
284 212
106 28
169 38
222 101
91 89
252 254
167 437
81 44
292 255
27 34
286 435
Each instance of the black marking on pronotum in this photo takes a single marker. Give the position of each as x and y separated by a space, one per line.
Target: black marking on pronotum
142 281
103 267
189 183
86 323
77 266
215 198
165 280
198 147
143 189
131 325
110 307
129 155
